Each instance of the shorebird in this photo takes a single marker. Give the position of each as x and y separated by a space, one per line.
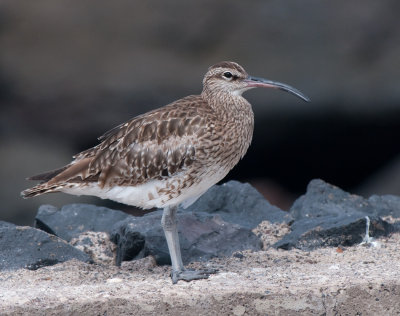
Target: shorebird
169 156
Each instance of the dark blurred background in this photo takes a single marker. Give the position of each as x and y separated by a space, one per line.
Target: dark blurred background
70 70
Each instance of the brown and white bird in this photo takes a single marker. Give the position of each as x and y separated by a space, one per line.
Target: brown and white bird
169 156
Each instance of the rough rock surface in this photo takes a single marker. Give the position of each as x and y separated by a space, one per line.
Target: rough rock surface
218 224
239 203
72 220
30 248
329 216
97 245
356 280
202 237
385 205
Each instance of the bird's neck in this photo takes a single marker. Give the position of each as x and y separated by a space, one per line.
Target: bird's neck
236 115
227 105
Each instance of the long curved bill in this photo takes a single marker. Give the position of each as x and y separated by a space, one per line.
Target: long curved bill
264 83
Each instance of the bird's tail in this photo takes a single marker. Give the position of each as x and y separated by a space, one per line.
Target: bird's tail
55 180
41 189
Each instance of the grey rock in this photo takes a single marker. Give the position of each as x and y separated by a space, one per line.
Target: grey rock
218 224
239 203
202 237
329 216
30 248
130 243
386 205
73 219
6 225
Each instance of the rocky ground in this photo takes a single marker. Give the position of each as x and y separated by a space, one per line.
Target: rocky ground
359 280
334 253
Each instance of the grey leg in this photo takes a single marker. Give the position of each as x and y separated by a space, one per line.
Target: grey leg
169 224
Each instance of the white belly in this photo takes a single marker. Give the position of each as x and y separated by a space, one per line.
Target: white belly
151 194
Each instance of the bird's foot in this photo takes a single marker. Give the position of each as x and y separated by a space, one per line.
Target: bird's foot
190 275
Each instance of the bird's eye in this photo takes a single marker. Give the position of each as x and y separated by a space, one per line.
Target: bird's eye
228 75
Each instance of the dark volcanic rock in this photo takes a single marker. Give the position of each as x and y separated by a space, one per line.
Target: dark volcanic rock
130 243
386 205
328 216
218 224
323 199
27 247
73 219
239 203
202 236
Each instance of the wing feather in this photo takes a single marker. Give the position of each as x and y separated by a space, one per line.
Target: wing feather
156 145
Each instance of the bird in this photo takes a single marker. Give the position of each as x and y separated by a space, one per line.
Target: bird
170 156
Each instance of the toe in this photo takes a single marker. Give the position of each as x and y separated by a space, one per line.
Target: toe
190 275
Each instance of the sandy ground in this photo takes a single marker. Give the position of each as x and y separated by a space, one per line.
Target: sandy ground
360 280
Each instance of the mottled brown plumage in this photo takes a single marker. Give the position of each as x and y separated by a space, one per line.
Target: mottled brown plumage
168 156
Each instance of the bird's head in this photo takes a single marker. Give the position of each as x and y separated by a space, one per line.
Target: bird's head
230 77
